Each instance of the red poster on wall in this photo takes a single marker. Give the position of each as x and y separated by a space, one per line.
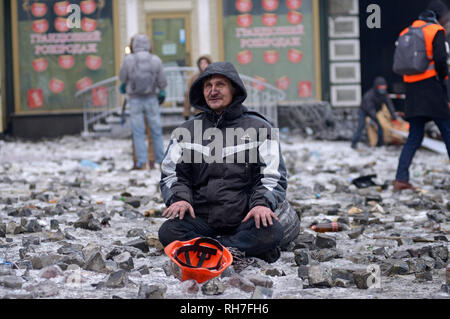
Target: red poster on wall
270 5
274 40
269 19
100 96
294 4
56 85
66 61
88 24
60 8
40 26
40 65
35 98
245 57
304 89
93 62
271 57
84 83
56 56
88 6
61 24
283 83
244 5
38 9
244 20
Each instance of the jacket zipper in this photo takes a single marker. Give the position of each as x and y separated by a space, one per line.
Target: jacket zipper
219 120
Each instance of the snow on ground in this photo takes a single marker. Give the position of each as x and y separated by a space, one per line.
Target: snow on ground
43 174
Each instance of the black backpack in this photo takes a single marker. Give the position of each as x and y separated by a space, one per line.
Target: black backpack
410 55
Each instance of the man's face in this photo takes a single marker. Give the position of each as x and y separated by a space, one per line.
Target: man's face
382 89
218 94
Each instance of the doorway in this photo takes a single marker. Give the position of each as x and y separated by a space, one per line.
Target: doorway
170 37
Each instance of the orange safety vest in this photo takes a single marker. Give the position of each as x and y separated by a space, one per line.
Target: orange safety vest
429 33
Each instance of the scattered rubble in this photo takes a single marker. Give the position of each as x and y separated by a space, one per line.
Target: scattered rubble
69 231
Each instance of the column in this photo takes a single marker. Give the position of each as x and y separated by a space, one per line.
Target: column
132 18
2 66
204 27
345 65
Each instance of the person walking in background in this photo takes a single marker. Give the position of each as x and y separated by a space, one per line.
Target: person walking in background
202 64
144 76
426 93
151 154
372 103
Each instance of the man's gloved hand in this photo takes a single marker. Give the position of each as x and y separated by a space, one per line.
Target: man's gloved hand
186 118
123 88
161 97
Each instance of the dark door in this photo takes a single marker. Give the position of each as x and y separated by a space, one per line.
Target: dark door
170 38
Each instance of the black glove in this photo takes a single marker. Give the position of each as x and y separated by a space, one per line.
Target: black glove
161 97
122 114
123 88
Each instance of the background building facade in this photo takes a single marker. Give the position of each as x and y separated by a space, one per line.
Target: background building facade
315 50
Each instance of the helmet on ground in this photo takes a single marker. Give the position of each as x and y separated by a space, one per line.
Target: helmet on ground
200 259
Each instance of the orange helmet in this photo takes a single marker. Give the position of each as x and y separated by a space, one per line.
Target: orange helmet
199 259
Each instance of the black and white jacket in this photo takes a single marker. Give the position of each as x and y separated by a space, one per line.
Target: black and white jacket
223 181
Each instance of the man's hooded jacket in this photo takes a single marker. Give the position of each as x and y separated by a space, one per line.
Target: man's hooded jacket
209 175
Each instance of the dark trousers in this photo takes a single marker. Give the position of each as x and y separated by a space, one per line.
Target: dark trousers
246 237
414 141
362 124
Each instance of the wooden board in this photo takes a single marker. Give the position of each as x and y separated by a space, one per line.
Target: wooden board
428 143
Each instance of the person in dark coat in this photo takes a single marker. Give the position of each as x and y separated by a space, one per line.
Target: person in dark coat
427 100
220 196
372 103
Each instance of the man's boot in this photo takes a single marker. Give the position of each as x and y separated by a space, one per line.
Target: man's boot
400 186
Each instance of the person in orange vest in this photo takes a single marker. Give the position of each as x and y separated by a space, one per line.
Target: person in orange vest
426 93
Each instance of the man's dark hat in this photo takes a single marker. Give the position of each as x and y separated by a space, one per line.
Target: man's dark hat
438 7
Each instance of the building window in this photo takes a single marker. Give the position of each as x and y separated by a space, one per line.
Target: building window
344 50
345 72
343 27
346 95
